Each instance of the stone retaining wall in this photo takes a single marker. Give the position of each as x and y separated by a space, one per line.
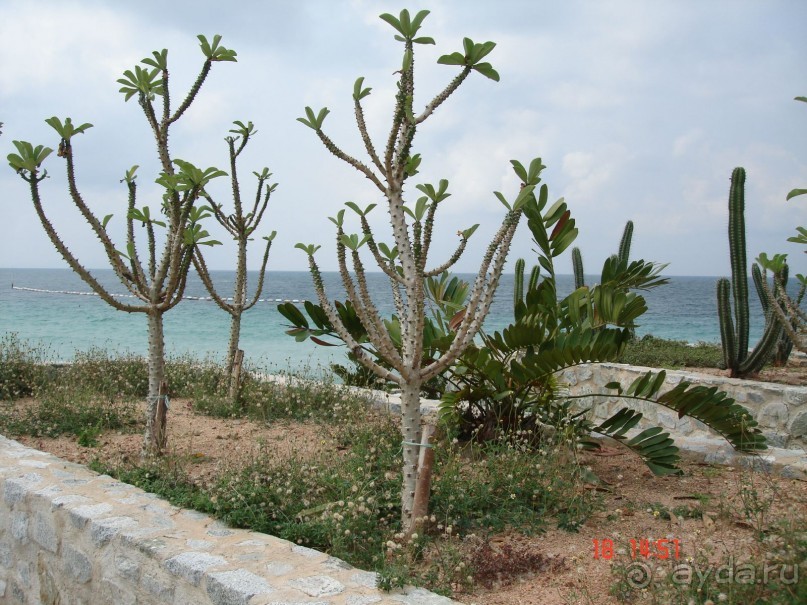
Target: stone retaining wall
780 410
69 536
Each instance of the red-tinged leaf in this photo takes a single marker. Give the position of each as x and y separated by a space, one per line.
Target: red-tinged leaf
561 223
322 343
455 321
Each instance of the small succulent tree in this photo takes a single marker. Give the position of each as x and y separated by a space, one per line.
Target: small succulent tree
158 283
783 308
787 310
241 226
400 342
734 332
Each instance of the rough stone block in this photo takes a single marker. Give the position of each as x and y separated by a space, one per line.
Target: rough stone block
362 600
76 564
418 596
103 530
15 489
798 426
81 514
44 532
278 568
317 586
159 585
235 587
114 592
127 567
191 565
6 555
19 526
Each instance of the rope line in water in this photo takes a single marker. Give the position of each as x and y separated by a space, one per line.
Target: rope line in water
203 298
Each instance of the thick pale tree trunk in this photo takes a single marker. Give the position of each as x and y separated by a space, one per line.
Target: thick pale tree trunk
154 438
410 430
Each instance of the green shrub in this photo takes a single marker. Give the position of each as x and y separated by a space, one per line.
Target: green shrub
21 368
653 352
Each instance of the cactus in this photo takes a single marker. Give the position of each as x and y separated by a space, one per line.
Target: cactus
624 244
736 355
623 255
519 301
577 266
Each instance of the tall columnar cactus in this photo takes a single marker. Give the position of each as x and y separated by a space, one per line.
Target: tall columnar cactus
400 343
736 355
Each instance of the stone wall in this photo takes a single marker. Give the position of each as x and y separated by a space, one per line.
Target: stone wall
69 536
780 410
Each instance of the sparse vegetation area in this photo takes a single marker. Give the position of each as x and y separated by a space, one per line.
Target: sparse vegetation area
500 511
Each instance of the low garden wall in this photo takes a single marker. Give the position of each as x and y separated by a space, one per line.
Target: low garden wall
780 410
71 536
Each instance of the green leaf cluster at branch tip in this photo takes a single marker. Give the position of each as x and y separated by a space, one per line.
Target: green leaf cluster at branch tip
216 52
314 121
29 157
473 54
408 27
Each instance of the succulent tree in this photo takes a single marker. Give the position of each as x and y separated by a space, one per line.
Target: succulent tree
400 343
241 226
734 332
786 309
511 383
158 282
783 308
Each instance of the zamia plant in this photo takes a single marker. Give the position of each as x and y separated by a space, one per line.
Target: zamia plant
734 331
404 261
156 277
511 381
446 298
241 225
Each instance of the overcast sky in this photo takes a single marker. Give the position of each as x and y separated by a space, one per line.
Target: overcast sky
640 110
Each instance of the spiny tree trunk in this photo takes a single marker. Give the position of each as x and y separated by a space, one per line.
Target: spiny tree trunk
154 438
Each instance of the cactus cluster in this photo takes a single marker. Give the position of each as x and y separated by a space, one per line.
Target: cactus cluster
734 330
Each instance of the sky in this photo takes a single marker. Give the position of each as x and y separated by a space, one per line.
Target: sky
640 110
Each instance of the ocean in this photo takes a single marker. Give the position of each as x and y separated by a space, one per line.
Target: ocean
685 309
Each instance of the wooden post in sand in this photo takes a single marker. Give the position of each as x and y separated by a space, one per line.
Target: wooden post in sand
160 437
420 506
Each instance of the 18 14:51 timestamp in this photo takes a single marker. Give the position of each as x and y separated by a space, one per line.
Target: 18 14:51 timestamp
643 548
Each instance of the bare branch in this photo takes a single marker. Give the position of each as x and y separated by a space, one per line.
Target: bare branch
447 92
350 160
368 143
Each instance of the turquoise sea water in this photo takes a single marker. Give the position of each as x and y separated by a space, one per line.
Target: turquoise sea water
64 323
